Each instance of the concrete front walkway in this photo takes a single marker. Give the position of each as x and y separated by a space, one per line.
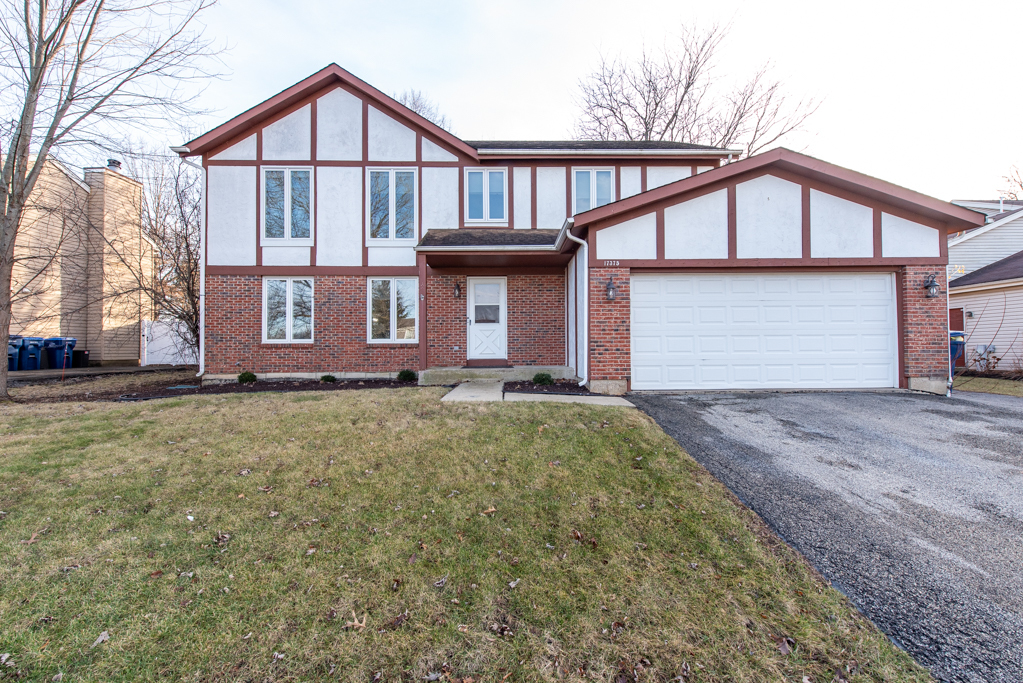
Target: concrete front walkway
494 392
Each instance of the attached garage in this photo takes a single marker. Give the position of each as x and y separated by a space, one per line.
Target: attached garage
771 330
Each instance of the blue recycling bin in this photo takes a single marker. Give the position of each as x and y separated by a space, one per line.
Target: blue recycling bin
956 346
13 351
30 357
58 351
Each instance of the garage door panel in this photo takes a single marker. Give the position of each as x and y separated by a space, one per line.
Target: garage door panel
761 331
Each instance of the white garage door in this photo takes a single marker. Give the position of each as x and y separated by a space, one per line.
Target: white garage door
763 331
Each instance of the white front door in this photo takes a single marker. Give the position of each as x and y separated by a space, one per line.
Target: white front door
488 318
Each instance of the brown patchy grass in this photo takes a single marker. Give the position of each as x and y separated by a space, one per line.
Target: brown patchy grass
608 553
99 385
989 385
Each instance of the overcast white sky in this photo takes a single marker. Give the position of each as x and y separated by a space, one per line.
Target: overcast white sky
916 93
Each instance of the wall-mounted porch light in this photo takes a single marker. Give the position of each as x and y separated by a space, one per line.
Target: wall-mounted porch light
612 291
931 285
458 291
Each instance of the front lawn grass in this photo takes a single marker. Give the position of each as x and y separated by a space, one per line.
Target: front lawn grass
231 538
989 385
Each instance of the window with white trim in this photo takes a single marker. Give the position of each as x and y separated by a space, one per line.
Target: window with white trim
393 309
592 187
391 203
287 204
287 310
486 196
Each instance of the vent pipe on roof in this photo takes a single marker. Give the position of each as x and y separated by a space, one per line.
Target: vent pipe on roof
114 165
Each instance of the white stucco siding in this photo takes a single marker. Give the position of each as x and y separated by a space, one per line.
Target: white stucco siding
985 248
339 127
997 319
704 169
522 209
391 256
840 228
632 181
289 138
633 239
245 150
388 139
698 228
768 218
662 175
903 238
551 203
286 256
231 216
339 216
434 152
440 198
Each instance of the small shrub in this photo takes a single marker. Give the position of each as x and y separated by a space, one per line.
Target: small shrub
543 378
407 376
328 378
247 378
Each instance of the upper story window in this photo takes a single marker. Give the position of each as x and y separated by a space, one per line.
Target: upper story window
392 204
287 202
591 188
287 310
486 196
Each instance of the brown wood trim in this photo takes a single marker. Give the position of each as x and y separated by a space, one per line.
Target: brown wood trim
733 240
900 337
659 218
462 199
312 130
312 271
422 303
807 249
759 269
532 197
259 192
568 191
642 179
329 162
486 363
364 228
495 272
877 233
617 194
509 210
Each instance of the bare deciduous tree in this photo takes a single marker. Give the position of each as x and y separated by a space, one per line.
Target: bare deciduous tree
674 95
418 102
1013 184
80 73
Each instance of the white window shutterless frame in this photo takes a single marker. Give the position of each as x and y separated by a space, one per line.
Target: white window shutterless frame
393 310
486 195
287 310
286 201
592 187
392 209
487 318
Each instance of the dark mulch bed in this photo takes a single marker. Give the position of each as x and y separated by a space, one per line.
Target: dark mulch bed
279 386
560 386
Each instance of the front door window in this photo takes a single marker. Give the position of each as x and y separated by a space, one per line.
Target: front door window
487 318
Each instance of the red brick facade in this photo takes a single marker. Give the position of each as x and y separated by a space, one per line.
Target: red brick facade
610 343
234 327
924 324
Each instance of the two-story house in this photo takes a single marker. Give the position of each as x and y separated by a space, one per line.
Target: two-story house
346 234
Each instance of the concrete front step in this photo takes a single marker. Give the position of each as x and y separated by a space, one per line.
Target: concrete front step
516 373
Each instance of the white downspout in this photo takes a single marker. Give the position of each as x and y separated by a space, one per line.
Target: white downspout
202 261
585 251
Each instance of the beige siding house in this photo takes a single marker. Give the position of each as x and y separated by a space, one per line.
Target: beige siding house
1000 237
989 301
83 264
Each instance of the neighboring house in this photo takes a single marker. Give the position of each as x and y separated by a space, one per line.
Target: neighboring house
346 234
988 305
81 263
1000 236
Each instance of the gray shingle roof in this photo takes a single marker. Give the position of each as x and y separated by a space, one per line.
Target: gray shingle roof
587 144
1009 268
489 237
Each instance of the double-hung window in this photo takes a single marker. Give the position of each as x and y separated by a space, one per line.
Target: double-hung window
486 196
287 202
592 187
393 309
287 310
391 195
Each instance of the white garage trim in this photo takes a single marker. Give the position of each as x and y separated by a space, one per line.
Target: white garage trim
771 330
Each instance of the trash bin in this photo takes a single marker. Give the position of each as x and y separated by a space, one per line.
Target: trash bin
31 350
58 351
956 346
80 358
13 351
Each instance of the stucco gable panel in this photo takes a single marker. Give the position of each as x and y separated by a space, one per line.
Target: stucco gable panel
290 138
339 126
388 139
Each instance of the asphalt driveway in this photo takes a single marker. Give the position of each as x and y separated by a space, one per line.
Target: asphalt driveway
912 505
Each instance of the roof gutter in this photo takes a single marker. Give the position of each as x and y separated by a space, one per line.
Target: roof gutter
985 286
556 247
610 152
